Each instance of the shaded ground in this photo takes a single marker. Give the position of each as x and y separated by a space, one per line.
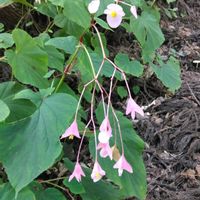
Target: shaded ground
172 130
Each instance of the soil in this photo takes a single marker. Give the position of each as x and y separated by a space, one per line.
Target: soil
171 130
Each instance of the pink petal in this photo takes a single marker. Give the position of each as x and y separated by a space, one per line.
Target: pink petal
121 165
77 173
105 150
97 172
105 125
72 130
114 22
134 11
126 166
129 106
133 107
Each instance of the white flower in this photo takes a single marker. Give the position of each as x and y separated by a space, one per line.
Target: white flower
93 6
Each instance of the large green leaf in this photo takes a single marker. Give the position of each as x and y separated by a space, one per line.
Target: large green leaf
68 44
19 109
169 73
147 30
77 12
129 184
28 61
130 67
89 190
30 146
4 110
8 193
50 194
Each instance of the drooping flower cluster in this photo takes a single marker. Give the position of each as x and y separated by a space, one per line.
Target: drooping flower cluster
113 11
102 140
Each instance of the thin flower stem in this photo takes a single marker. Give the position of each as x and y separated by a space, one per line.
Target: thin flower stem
55 185
123 74
102 96
119 128
79 149
51 180
93 123
81 96
110 91
90 60
100 41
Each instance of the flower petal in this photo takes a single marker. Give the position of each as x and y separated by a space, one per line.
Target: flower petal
114 22
93 6
134 11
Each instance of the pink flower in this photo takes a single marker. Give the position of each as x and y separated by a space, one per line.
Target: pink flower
71 131
122 164
105 131
77 173
105 150
134 11
133 107
114 14
93 6
97 172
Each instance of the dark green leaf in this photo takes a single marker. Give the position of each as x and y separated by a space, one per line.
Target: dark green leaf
50 194
19 109
77 12
169 73
28 61
34 142
8 193
67 44
130 67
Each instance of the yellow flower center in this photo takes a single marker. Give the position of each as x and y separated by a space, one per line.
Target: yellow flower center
113 13
71 137
98 175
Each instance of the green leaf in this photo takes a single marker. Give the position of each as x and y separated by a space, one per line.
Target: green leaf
28 61
19 109
67 44
8 193
47 9
147 31
55 58
169 73
130 184
4 111
77 12
34 142
50 194
6 40
103 24
58 2
84 67
122 92
89 190
68 26
130 67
